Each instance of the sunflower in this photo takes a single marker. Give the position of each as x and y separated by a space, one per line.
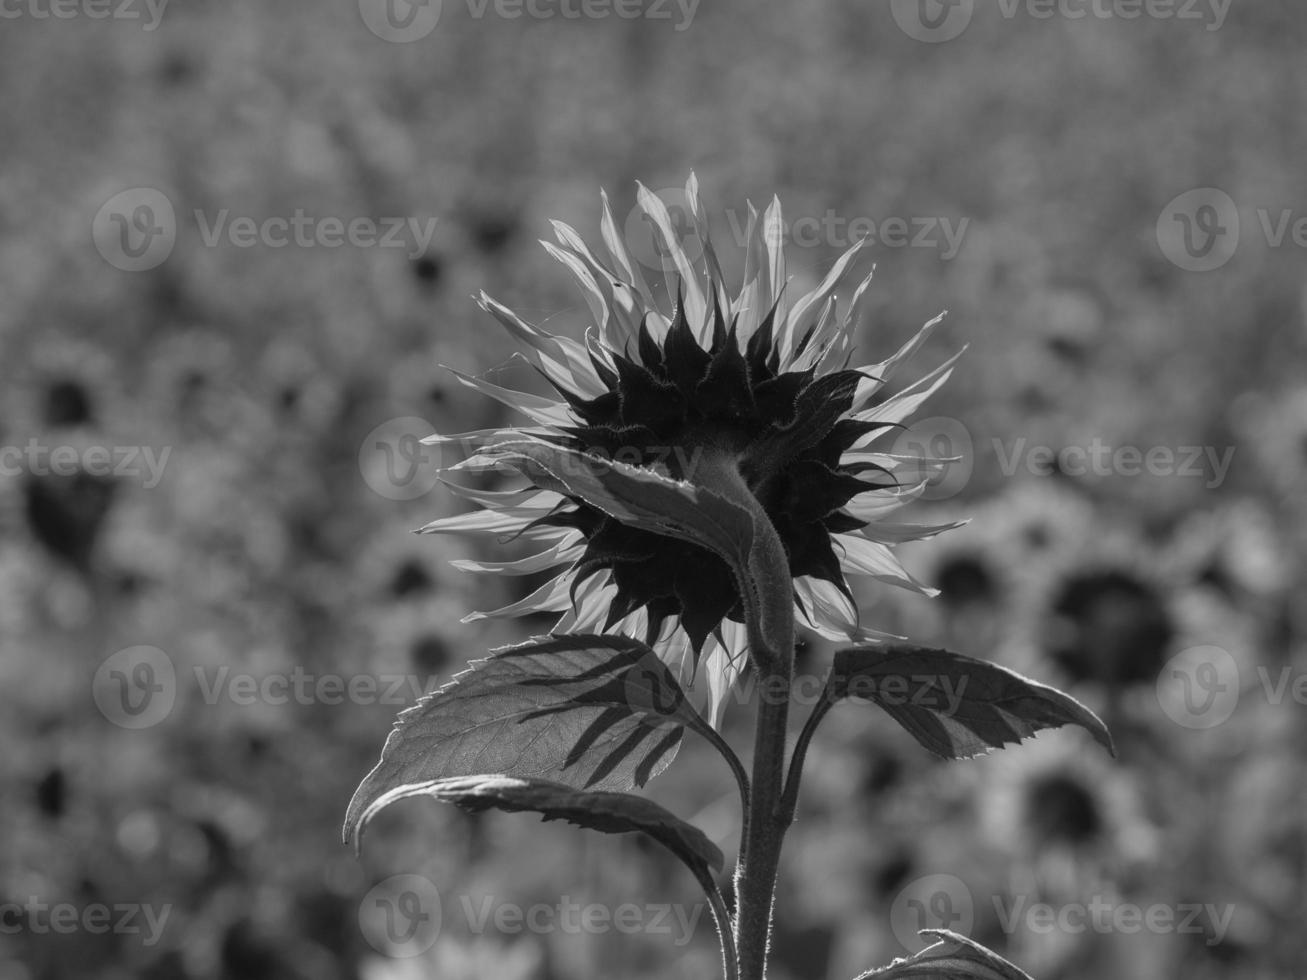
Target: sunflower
753 379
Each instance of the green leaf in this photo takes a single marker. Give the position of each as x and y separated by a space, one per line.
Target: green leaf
592 712
956 706
609 813
954 957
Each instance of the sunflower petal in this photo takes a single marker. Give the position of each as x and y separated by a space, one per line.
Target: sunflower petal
544 411
874 559
563 552
562 359
828 611
696 307
553 596
907 401
808 307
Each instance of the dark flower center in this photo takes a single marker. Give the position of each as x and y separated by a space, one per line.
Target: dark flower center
681 408
1061 809
1114 628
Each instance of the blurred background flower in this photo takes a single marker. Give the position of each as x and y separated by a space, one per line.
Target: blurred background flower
202 648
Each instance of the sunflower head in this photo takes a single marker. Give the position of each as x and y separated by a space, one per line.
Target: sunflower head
743 387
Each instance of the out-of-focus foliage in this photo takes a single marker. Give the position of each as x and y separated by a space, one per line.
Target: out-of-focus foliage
262 550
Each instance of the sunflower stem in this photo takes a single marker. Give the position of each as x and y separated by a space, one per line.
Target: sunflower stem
768 823
763 576
770 625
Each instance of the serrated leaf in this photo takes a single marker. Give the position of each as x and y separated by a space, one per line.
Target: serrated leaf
957 706
954 957
609 813
592 712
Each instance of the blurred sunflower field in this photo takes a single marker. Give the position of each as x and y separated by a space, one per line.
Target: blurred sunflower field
239 240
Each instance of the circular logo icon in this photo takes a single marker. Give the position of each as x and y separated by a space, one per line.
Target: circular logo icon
940 454
932 21
654 695
400 21
394 461
645 241
136 687
401 916
1199 687
1199 230
135 230
931 902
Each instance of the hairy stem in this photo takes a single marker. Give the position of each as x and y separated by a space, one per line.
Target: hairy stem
722 917
764 580
762 570
768 822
